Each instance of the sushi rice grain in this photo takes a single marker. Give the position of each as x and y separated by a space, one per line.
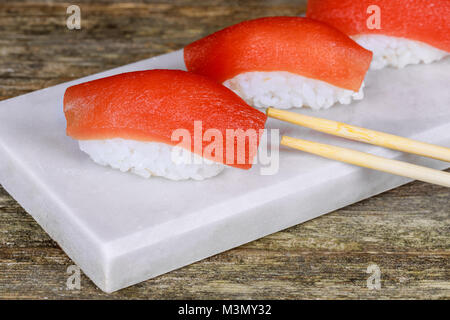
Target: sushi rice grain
398 52
148 159
286 90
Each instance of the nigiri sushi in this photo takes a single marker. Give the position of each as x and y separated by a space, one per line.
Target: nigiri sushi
407 32
127 121
283 62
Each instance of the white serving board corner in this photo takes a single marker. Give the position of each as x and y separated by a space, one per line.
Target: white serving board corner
122 229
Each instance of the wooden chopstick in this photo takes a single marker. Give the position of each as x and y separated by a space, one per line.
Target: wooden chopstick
370 161
364 135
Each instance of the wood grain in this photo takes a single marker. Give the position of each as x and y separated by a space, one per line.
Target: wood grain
404 231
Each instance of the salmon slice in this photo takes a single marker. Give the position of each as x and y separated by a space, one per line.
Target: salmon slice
427 21
150 105
298 45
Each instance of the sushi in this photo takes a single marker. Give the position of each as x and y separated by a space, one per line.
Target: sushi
407 32
283 62
128 121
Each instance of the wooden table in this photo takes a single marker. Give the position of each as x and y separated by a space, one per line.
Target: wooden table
404 231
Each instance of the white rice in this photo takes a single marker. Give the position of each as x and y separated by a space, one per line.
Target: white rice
397 52
286 90
148 159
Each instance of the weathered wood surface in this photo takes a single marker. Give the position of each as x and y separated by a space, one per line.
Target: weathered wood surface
404 231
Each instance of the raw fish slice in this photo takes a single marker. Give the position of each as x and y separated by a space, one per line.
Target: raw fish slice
427 21
297 45
411 31
147 106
